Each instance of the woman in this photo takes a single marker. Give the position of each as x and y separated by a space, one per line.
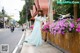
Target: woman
35 38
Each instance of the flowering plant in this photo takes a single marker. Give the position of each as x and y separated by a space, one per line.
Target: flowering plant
31 27
78 25
46 27
78 20
62 26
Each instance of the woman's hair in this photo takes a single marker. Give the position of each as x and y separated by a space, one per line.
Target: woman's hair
41 13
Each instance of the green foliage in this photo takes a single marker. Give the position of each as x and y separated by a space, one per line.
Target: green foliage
25 12
22 18
79 11
61 8
64 9
31 4
1 15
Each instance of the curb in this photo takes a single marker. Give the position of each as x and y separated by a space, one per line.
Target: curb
19 45
27 33
2 29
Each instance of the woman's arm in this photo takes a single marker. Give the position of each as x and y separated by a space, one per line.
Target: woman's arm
35 14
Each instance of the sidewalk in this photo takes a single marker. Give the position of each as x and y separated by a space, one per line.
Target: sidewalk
2 29
44 48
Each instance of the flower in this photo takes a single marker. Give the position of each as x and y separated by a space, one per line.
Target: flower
46 27
78 19
78 25
31 27
71 25
62 26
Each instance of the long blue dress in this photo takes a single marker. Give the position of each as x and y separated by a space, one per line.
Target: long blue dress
35 38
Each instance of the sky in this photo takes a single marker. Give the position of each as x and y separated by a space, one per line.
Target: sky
12 7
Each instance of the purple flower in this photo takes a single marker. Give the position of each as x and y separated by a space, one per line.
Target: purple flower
72 25
62 33
78 19
31 26
70 29
62 25
46 27
78 28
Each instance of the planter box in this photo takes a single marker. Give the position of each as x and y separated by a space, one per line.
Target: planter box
79 42
50 37
44 35
56 37
61 40
68 41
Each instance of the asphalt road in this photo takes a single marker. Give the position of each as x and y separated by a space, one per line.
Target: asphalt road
12 39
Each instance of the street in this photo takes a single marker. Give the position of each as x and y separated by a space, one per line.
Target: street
11 38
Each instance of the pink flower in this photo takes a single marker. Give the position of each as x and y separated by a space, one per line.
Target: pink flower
31 27
46 27
72 25
70 29
61 26
78 19
78 28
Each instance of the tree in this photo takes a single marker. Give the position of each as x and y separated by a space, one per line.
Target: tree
73 9
22 18
25 13
76 10
61 9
